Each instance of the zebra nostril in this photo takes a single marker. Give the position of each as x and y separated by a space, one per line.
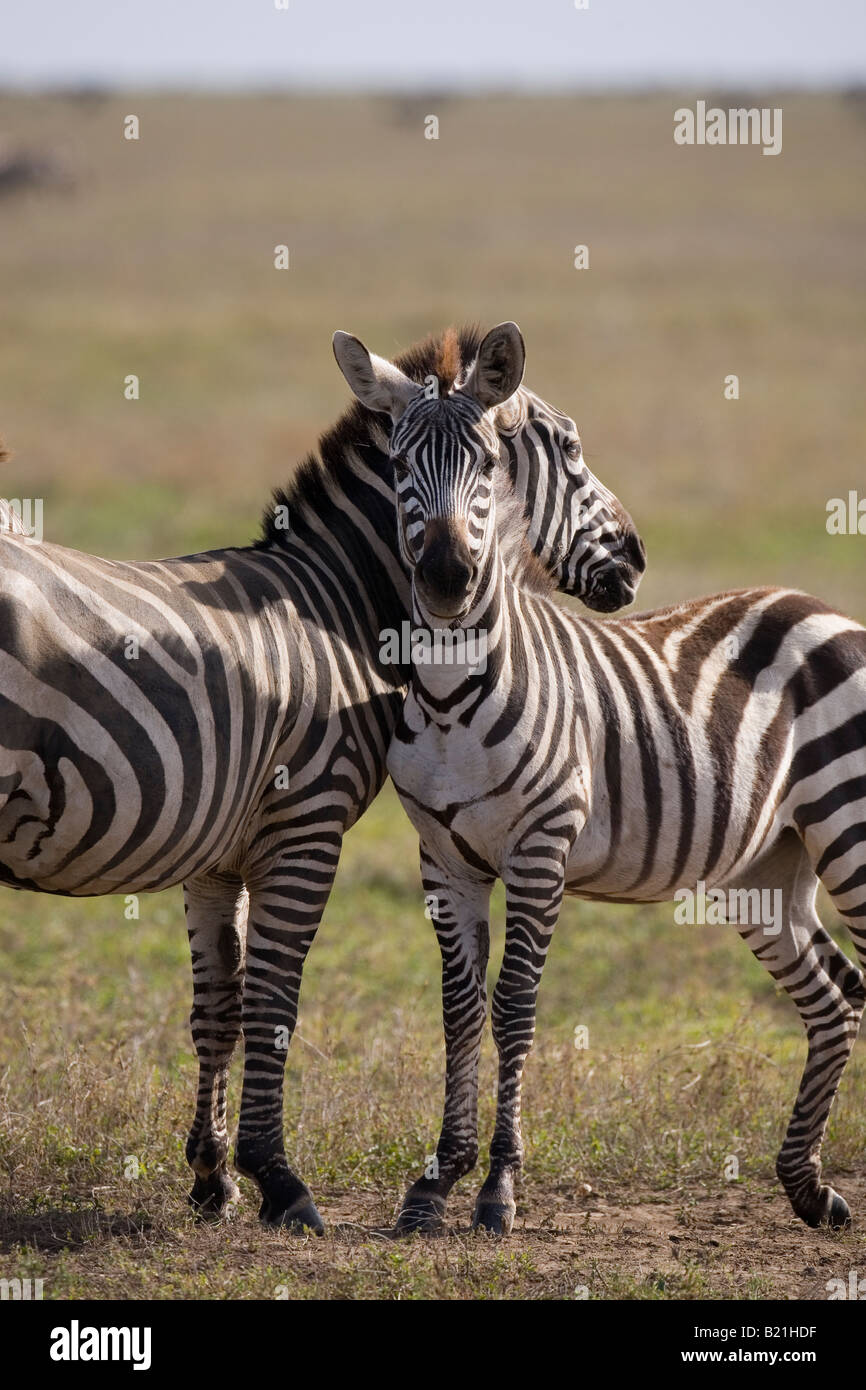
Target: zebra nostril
461 574
612 590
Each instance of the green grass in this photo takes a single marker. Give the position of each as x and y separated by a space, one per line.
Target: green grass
703 263
692 1058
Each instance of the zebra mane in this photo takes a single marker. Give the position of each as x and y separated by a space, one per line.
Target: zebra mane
364 433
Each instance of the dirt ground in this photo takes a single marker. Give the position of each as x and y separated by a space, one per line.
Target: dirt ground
728 1244
724 1243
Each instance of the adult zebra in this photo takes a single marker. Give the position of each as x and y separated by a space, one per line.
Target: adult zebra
720 742
220 720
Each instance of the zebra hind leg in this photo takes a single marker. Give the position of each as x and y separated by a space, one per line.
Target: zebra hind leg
829 994
216 909
838 845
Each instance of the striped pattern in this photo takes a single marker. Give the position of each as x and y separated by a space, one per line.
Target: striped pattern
219 721
575 525
721 742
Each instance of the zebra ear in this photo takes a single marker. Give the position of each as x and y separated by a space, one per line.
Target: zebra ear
498 369
377 384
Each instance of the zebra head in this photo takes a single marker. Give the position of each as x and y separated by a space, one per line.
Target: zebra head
443 443
578 529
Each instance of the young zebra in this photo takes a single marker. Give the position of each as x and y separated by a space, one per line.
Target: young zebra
221 719
722 741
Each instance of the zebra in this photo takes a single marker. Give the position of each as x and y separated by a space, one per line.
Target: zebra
719 742
220 720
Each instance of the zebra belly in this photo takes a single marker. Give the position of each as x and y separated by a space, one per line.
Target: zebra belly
645 839
623 875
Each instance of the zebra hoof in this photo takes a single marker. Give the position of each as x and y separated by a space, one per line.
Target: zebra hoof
425 1215
212 1197
497 1218
299 1218
830 1210
838 1215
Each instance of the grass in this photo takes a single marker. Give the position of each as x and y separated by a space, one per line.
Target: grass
691 1059
161 263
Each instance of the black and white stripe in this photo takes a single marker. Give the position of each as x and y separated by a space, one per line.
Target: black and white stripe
219 721
720 742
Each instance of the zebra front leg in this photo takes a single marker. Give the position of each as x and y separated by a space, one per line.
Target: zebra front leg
216 919
533 900
460 912
284 915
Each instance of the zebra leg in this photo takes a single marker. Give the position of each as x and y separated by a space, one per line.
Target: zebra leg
285 911
216 912
460 914
838 852
533 900
829 994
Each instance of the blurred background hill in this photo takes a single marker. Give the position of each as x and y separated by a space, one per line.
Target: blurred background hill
156 257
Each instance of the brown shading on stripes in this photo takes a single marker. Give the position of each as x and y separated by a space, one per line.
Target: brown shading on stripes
719 622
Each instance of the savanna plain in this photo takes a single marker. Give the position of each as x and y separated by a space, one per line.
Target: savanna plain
650 1150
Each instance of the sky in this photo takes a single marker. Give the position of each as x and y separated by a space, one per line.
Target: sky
409 44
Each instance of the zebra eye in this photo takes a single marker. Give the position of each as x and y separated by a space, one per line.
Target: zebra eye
488 465
401 469
573 451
